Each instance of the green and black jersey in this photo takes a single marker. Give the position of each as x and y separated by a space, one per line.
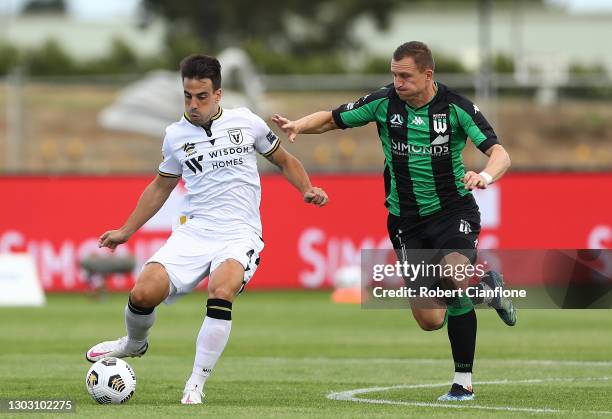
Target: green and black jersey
422 147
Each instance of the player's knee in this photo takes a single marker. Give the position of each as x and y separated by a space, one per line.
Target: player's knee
151 288
147 294
455 259
221 291
430 324
142 297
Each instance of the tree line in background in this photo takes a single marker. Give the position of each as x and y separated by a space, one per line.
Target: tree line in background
287 37
50 59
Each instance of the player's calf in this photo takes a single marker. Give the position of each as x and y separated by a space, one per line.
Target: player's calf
138 321
152 286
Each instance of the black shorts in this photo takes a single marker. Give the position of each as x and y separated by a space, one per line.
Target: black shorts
450 230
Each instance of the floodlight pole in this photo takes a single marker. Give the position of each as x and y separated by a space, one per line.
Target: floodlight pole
14 119
484 91
483 82
14 97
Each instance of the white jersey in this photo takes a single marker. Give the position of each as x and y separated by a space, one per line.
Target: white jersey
219 167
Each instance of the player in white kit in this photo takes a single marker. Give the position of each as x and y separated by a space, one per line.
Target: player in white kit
214 151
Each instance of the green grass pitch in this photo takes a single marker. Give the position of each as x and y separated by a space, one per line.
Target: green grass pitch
291 353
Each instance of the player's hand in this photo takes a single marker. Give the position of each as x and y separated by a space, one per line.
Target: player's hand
288 127
473 180
316 196
112 239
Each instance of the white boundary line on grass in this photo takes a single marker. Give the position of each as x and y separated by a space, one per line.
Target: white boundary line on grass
551 362
350 396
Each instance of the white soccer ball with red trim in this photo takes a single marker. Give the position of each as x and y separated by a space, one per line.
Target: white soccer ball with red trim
111 381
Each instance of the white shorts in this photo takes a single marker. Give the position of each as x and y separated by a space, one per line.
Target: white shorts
192 253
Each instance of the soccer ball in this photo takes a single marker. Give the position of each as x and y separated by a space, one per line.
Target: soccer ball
110 380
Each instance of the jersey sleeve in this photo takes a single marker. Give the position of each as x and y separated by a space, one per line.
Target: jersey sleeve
475 125
169 166
358 113
266 141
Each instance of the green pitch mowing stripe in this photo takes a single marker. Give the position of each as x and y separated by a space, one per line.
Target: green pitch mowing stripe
289 351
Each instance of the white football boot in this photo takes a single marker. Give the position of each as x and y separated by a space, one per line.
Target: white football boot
115 348
192 395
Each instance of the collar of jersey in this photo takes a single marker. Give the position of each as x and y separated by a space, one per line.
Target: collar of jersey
437 87
212 118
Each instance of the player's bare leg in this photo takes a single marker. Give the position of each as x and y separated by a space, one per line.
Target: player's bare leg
151 288
429 319
223 286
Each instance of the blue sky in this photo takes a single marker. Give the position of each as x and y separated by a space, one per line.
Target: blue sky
585 5
87 9
94 9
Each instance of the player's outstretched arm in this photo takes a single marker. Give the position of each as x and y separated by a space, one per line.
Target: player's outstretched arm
498 164
151 200
296 175
316 123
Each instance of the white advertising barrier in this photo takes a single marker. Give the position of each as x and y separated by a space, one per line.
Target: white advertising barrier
19 284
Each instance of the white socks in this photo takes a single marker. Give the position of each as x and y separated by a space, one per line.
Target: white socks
211 342
464 379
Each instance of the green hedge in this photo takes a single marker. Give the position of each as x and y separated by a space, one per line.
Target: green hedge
50 59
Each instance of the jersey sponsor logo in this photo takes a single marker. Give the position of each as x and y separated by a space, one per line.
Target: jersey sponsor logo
189 148
227 163
229 151
194 164
464 227
401 148
350 106
396 120
271 137
235 136
432 150
417 120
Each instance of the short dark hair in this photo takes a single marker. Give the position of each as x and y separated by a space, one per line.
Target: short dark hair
419 52
197 66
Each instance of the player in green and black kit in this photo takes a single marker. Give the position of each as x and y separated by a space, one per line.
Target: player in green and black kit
423 127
